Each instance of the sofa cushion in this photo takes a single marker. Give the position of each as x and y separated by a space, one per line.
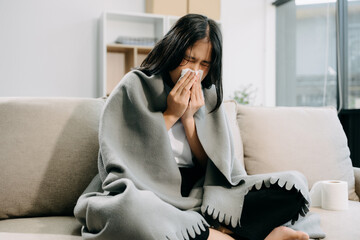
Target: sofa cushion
309 140
61 225
34 236
230 107
342 225
48 153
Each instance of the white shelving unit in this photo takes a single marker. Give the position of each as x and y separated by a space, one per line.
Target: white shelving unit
117 59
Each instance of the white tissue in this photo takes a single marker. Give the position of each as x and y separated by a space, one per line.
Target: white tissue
330 195
200 72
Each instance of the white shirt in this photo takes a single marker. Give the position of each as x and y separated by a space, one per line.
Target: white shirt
180 145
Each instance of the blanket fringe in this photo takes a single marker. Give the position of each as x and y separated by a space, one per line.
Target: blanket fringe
190 232
222 218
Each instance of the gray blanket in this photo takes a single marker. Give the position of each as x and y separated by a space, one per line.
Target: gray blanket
136 194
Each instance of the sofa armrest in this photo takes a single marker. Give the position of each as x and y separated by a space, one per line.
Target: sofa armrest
357 180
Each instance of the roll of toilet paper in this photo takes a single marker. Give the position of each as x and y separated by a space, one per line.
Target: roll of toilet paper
334 195
330 195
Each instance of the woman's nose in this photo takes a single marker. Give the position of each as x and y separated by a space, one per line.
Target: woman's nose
195 67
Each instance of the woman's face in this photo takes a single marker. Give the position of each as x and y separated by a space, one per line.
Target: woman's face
197 57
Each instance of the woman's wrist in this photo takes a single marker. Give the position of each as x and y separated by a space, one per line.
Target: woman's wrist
188 121
170 119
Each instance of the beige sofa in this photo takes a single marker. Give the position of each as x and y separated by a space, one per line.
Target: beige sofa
49 147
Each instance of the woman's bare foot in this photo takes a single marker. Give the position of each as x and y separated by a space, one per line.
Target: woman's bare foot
285 233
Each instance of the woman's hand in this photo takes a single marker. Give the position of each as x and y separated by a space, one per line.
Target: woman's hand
178 99
196 100
188 121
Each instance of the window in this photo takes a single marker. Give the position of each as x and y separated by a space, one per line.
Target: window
353 92
315 38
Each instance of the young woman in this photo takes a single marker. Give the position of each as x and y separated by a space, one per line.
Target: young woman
166 163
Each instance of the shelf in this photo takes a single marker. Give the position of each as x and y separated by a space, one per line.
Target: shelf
133 55
118 59
121 59
123 48
134 17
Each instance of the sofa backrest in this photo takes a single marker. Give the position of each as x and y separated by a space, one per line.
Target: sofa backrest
49 148
310 140
48 153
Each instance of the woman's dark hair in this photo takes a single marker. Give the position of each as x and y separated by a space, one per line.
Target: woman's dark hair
169 52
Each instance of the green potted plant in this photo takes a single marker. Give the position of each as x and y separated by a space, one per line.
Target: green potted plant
244 95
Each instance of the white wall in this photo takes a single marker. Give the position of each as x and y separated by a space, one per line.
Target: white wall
249 48
50 47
